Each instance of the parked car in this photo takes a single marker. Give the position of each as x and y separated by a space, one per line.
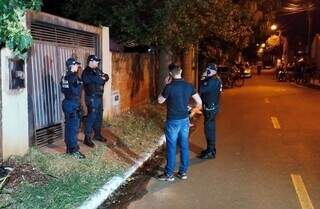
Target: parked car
230 76
247 71
267 67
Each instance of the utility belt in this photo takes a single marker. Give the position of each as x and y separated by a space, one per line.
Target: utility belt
211 107
72 97
95 95
208 109
94 90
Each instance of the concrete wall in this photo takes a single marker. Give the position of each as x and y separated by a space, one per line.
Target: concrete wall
14 111
131 80
106 56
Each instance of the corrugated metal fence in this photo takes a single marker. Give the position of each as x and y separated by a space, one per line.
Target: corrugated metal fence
47 62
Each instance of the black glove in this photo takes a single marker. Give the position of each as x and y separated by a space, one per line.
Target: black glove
106 76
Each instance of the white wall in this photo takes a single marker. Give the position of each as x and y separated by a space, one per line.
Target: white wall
107 68
14 110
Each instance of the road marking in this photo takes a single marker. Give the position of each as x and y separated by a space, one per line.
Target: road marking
301 191
266 100
280 90
275 122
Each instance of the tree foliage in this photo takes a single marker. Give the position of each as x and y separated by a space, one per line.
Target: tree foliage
273 42
13 33
175 23
263 14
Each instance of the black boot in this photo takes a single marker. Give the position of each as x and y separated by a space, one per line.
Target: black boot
207 155
78 155
99 138
87 141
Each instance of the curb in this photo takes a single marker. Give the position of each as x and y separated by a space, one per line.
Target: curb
96 199
297 85
311 86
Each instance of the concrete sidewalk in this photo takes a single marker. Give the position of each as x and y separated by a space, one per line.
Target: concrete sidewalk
313 85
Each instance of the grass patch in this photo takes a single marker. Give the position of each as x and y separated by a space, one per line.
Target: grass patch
139 129
56 181
70 181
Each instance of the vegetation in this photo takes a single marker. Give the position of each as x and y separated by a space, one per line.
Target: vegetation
139 129
58 181
175 23
13 33
49 180
272 42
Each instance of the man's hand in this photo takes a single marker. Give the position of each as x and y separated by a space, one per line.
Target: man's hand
204 75
106 77
168 80
198 100
195 110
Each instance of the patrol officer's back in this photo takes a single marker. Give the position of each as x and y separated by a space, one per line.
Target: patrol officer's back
71 88
210 90
94 80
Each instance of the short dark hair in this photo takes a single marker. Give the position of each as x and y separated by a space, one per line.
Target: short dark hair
174 69
172 66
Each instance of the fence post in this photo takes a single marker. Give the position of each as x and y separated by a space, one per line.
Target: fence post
14 105
107 68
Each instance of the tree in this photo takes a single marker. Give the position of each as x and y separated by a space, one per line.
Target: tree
263 14
273 42
13 33
227 25
173 23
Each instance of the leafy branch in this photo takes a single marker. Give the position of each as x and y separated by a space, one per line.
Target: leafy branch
13 33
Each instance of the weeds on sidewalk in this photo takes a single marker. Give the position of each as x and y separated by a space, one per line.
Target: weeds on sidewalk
48 180
139 129
65 182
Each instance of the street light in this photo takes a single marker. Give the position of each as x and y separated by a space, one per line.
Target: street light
263 45
274 27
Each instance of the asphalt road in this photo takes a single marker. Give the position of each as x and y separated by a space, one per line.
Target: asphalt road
268 154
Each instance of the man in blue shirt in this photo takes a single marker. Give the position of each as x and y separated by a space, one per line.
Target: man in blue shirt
176 94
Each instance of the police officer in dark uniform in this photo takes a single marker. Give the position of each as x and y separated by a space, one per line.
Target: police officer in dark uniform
71 88
210 90
93 80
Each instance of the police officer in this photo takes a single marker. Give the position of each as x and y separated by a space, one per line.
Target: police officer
210 89
93 80
71 88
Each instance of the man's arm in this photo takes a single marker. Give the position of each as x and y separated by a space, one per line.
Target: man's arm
198 107
91 78
198 100
161 99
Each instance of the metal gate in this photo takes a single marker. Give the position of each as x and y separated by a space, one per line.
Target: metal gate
52 46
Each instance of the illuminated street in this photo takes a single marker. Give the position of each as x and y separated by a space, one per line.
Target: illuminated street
96 97
257 158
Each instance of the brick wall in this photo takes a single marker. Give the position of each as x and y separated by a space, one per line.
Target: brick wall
131 78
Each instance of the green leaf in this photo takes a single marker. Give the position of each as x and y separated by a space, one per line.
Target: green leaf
12 29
